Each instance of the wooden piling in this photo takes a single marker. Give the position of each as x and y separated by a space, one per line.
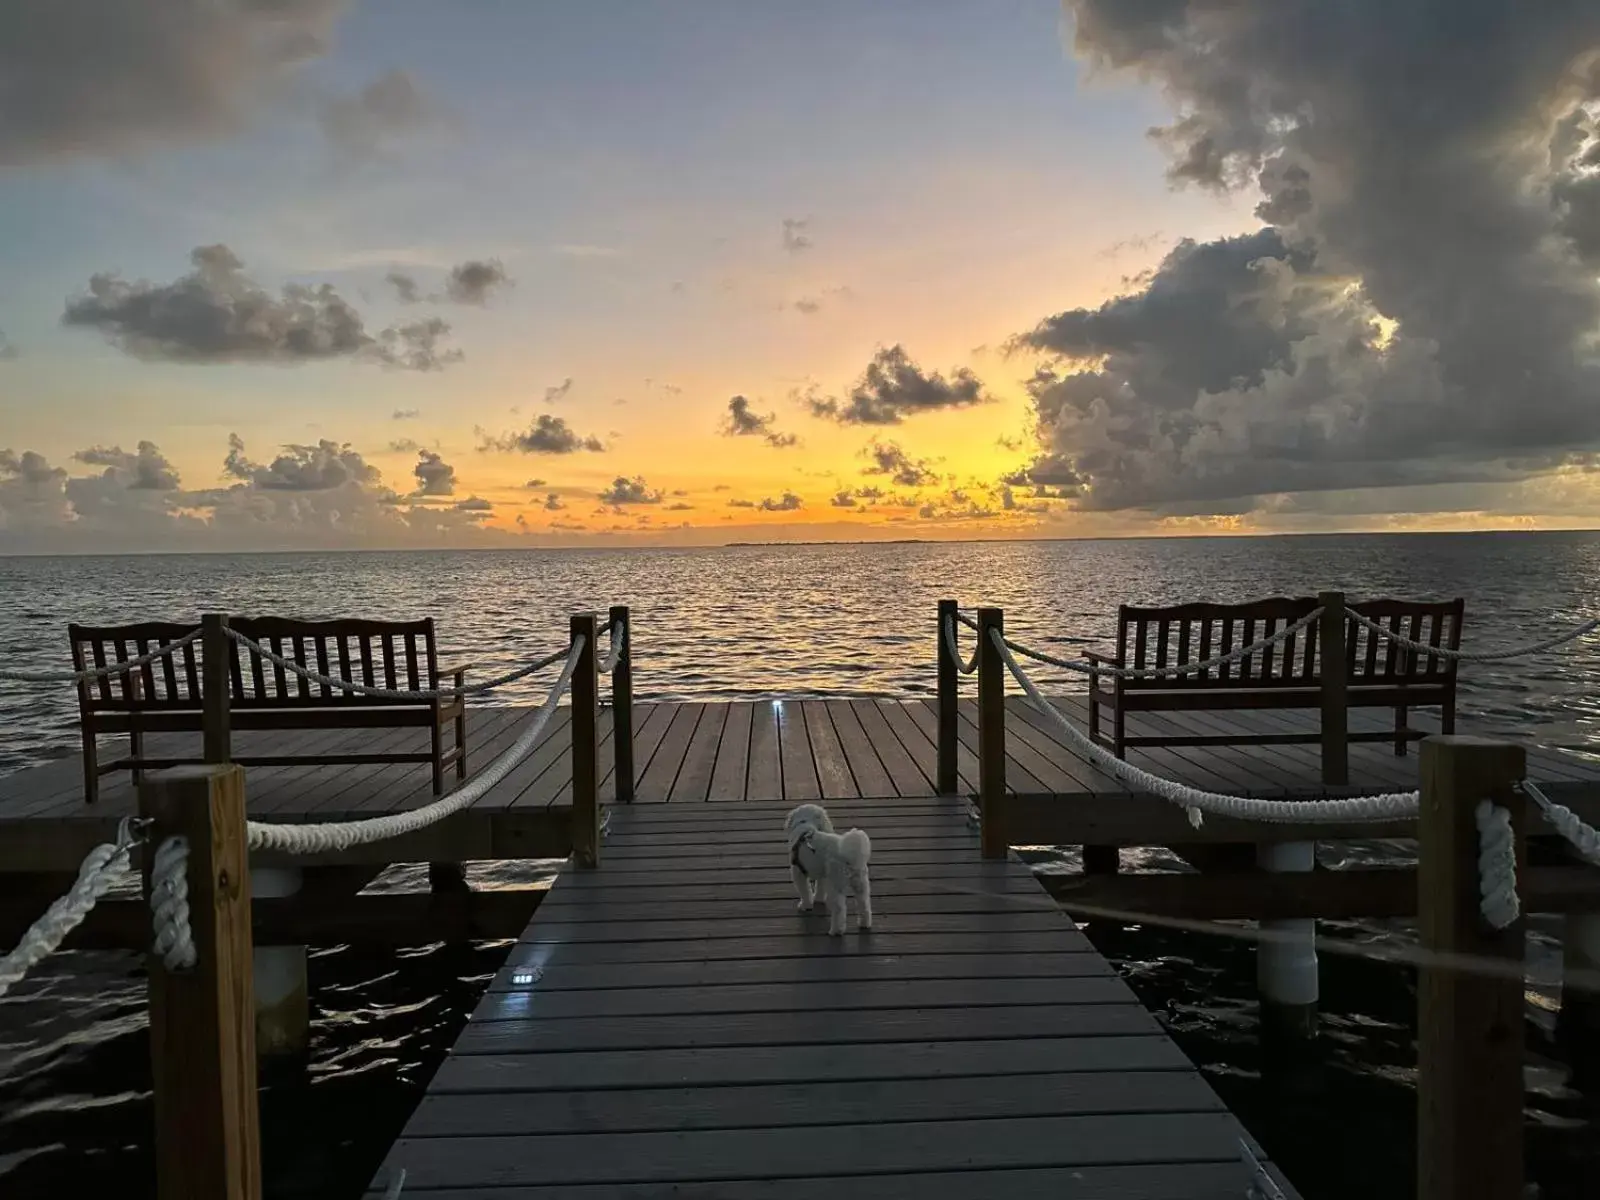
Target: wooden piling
1333 673
216 652
202 1020
949 677
1469 989
991 734
622 706
586 744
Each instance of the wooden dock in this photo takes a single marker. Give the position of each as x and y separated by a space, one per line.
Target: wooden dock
794 750
669 1025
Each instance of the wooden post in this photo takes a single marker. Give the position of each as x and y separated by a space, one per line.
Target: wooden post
1470 1021
1335 696
202 1021
586 744
216 652
991 734
622 706
949 677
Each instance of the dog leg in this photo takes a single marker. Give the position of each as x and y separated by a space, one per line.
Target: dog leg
864 901
803 886
836 911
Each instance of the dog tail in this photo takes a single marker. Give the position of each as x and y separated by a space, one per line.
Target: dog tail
856 847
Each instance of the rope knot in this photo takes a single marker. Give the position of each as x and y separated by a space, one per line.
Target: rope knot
1497 865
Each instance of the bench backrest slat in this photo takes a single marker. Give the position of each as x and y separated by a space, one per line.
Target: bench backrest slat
1145 639
391 654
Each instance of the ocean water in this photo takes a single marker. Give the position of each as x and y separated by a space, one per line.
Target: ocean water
743 622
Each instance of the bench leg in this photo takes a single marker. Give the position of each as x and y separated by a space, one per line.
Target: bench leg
1447 718
438 758
91 766
1094 713
1119 731
461 743
1400 739
136 751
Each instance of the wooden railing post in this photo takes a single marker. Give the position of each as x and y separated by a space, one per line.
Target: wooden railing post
949 676
622 706
216 652
586 744
991 734
1335 698
203 1021
1469 1031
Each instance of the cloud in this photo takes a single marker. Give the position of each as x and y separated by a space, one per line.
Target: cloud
533 484
8 349
215 314
300 468
629 491
473 282
722 487
435 477
679 507
105 77
809 305
558 391
405 446
406 414
405 287
741 503
552 503
788 502
889 459
797 234
473 504
893 387
1421 303
744 421
387 110
146 470
548 434
844 499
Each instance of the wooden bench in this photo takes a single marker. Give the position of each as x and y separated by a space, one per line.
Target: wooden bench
167 696
1378 673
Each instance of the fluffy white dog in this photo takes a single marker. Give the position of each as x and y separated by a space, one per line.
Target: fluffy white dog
833 865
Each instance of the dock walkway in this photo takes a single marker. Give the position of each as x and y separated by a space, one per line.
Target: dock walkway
669 1025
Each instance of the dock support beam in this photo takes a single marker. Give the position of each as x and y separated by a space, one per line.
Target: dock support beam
1470 1015
202 1020
1578 1027
622 706
282 997
586 744
991 734
949 697
1286 959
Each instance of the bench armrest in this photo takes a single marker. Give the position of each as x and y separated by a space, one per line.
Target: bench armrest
1111 660
456 669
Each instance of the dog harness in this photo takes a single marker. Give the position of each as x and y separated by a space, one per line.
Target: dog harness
794 853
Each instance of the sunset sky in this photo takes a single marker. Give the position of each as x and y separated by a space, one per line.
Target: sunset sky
319 273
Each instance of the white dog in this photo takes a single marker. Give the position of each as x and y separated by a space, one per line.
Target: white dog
830 864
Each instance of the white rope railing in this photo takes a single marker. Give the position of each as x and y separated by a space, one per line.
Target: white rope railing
1497 865
367 689
970 622
122 667
46 934
971 665
619 639
1399 639
1188 668
169 904
1387 806
1584 838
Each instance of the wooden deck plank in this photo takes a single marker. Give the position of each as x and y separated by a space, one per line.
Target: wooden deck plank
657 778
700 760
764 774
811 944
866 768
733 755
920 744
905 776
834 777
794 753
786 1105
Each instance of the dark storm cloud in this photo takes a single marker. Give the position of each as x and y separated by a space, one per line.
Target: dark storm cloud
629 491
435 477
894 387
386 110
217 314
91 77
146 470
548 434
889 459
1422 164
475 281
743 421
